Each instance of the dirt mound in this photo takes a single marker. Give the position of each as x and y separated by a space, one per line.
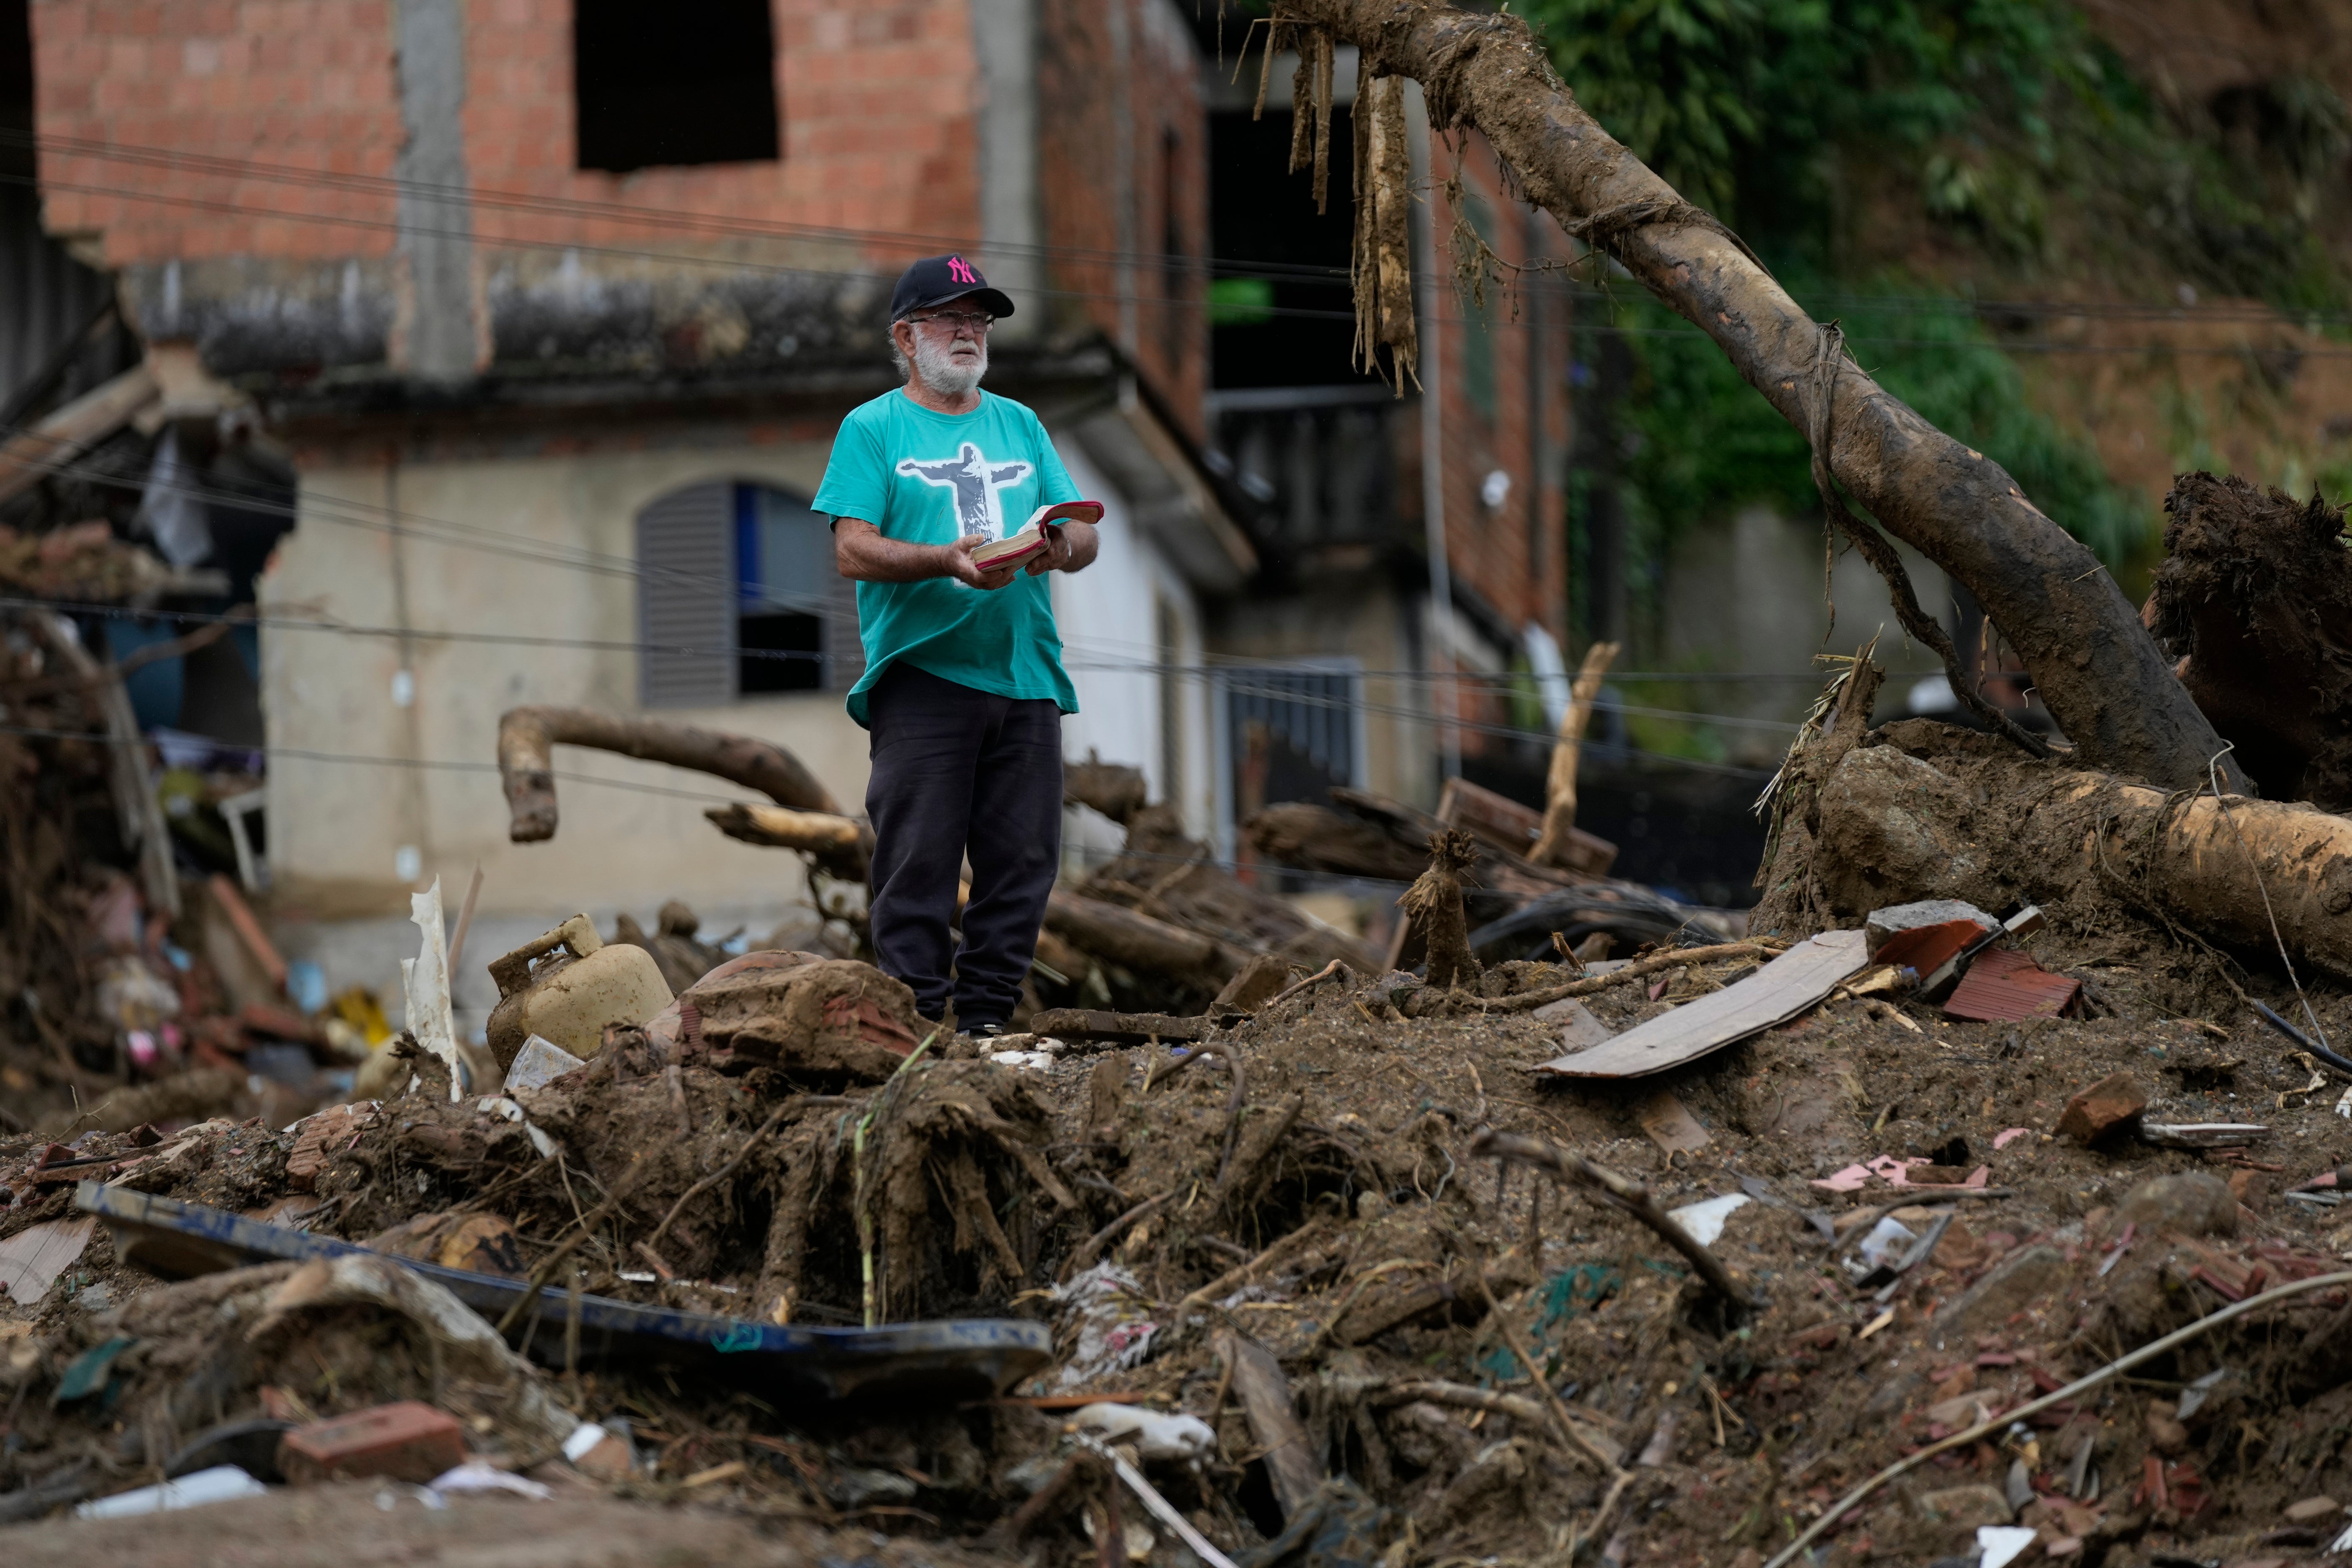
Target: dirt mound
1303 1181
2254 598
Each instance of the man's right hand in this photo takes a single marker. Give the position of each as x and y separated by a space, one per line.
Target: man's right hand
956 561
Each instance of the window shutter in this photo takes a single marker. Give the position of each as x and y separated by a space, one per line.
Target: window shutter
845 652
686 598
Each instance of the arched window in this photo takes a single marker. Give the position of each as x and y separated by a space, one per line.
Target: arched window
738 596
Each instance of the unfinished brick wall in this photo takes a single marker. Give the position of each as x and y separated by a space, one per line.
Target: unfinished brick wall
1123 166
878 104
307 83
1500 367
1504 408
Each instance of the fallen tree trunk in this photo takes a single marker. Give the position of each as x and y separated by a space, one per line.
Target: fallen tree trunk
529 736
1929 812
2105 680
1139 941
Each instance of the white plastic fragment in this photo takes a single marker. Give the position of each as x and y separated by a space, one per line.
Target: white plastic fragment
218 1484
1704 1221
1884 1243
540 1063
1031 1061
584 1437
475 1476
2000 1544
1157 1436
424 983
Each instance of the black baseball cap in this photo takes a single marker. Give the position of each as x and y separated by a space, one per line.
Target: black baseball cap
936 279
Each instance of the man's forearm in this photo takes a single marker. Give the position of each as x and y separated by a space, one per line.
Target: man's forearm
1084 542
865 555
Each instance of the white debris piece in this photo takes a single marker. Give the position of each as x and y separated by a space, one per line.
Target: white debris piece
2001 1545
425 981
1704 1221
218 1484
1157 1436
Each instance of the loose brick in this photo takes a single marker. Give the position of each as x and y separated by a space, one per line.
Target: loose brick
408 1442
2111 1104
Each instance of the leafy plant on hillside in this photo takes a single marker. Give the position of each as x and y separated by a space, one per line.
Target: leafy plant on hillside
1871 147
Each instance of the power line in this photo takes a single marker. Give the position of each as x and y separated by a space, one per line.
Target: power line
679 219
1222 675
1140 300
424 764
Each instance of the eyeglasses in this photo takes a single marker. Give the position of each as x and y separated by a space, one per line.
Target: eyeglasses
959 322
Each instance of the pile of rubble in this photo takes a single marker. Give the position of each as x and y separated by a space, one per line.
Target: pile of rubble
1356 1268
1975 1203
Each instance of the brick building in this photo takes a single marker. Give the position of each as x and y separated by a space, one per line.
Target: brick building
549 309
1342 667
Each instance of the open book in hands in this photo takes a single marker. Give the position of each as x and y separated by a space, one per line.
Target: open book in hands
1016 548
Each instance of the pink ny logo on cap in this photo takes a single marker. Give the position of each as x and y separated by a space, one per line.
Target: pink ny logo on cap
960 270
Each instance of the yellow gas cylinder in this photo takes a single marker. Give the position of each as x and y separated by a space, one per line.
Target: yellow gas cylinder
567 987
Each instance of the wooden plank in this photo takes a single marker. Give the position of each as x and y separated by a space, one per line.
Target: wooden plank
1264 1393
29 457
1797 979
1670 1125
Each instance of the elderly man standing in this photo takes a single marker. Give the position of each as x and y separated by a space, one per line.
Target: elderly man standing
964 690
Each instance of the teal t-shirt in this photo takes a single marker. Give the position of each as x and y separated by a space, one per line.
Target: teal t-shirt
933 479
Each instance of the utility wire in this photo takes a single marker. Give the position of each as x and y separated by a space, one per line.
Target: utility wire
688 220
424 764
1270 677
1140 300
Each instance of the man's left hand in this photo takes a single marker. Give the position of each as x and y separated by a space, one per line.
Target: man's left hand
1066 550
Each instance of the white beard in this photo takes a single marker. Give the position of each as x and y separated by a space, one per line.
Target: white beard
940 373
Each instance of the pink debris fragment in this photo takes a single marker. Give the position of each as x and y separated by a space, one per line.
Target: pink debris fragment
2009 1135
1886 1167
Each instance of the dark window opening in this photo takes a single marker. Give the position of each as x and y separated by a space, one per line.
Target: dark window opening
1290 258
668 84
786 586
739 596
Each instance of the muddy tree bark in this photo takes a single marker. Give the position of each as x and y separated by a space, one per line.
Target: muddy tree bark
528 738
2101 674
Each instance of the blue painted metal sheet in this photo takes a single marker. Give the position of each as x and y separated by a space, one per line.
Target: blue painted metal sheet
934 1362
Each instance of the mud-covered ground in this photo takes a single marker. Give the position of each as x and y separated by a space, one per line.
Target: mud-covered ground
1345 1137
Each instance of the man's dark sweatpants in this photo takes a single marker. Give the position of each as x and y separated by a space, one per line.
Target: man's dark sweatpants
956 772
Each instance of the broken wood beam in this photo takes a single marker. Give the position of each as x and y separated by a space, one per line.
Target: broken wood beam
1139 940
1552 845
1264 1393
841 844
528 738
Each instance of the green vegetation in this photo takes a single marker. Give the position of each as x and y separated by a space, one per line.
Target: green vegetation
1878 151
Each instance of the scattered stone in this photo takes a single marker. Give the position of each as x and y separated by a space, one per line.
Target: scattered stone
2013 1284
2192 1203
1968 1507
2166 1434
2312 1509
2113 1104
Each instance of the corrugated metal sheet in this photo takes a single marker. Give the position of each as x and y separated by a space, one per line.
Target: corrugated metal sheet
46 296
